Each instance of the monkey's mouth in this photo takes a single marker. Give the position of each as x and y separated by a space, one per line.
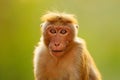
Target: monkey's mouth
57 51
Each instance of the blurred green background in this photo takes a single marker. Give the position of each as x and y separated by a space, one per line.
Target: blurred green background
99 22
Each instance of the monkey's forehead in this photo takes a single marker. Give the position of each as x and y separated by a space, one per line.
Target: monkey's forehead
59 17
46 24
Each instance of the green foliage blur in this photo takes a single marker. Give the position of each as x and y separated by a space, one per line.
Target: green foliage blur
99 22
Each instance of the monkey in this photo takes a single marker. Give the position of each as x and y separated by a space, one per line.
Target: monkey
61 54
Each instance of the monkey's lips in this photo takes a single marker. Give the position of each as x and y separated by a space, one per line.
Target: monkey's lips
57 53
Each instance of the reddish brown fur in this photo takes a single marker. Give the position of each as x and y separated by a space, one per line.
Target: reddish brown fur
62 56
53 17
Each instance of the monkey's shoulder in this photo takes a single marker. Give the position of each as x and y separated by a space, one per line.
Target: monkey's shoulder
80 42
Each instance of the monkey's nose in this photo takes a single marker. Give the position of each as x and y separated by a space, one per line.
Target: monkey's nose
57 44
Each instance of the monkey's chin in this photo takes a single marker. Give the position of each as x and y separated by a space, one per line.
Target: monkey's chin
57 53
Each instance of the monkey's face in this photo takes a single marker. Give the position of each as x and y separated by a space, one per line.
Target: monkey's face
57 38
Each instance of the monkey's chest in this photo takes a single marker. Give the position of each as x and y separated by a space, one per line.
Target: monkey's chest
55 72
61 71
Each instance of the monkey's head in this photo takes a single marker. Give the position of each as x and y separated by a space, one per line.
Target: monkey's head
59 31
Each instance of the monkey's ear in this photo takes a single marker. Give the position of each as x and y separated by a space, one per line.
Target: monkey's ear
41 25
77 26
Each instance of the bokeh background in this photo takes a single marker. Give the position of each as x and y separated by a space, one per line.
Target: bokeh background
99 22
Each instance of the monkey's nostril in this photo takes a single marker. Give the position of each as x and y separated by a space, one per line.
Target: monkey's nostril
57 44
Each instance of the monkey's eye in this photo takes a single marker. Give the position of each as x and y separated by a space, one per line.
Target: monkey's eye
53 31
63 31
